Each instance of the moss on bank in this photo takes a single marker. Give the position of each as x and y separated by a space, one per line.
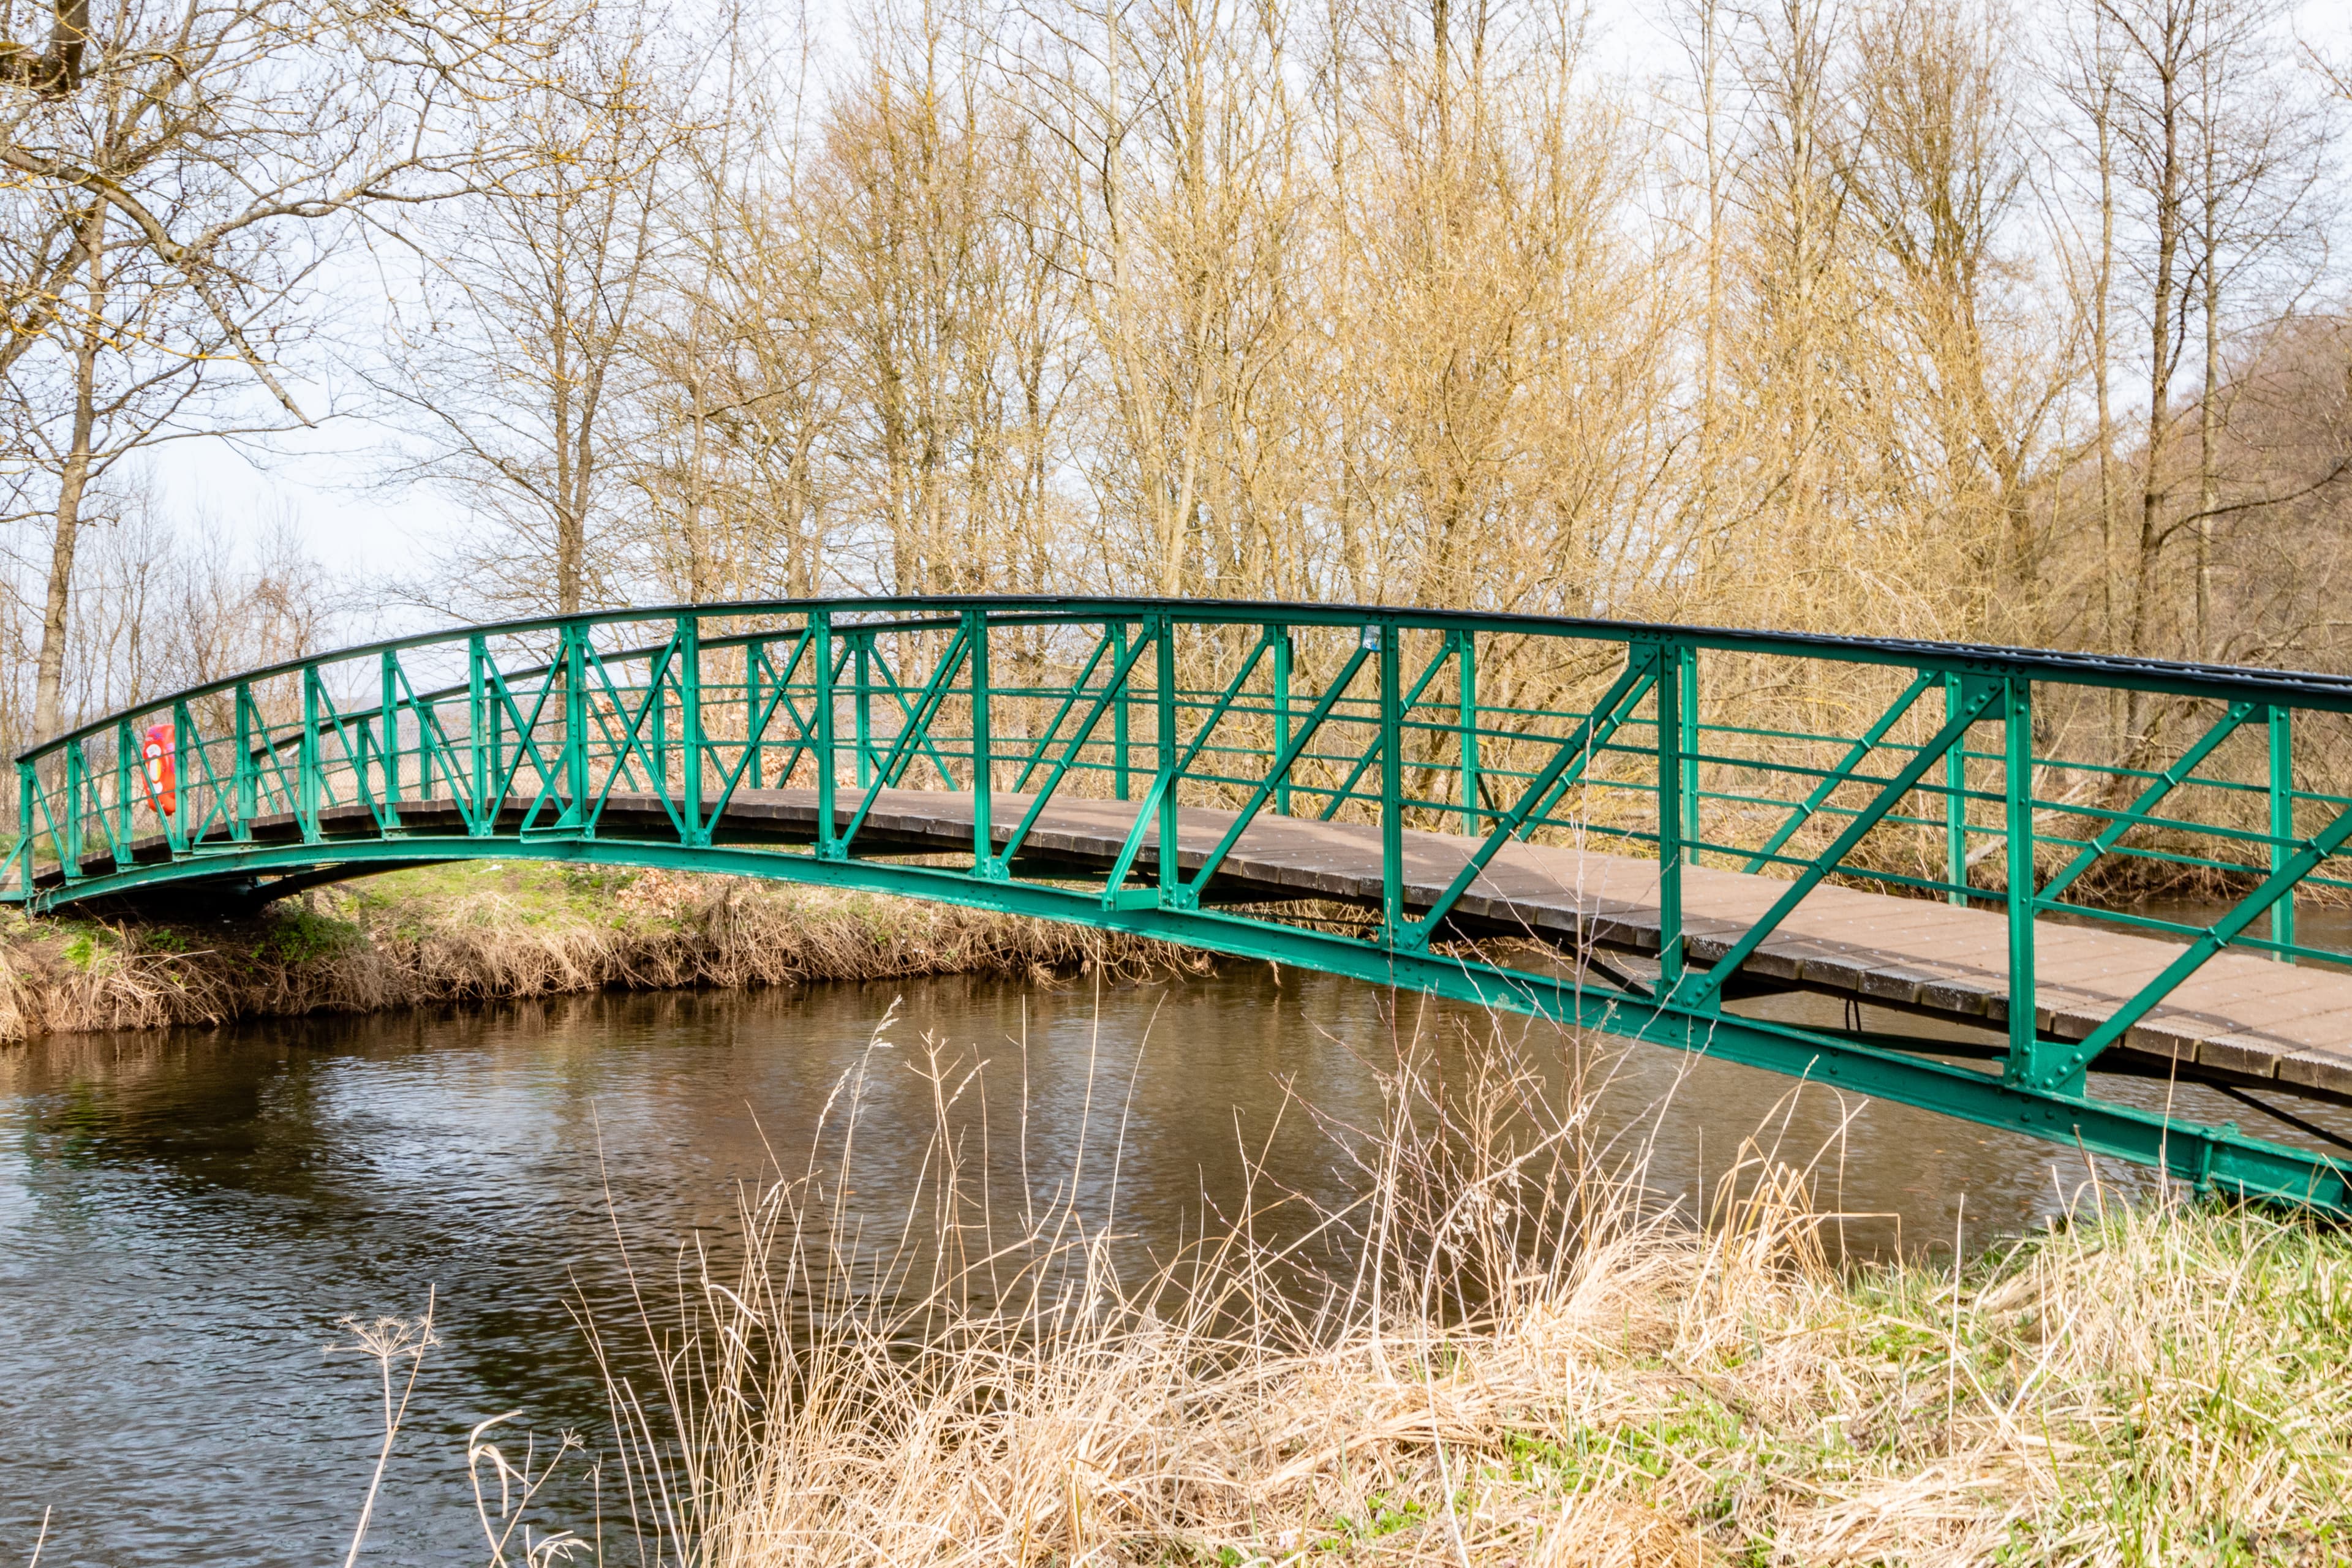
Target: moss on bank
481 932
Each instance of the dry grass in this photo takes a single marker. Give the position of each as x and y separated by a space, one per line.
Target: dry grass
1528 1361
480 932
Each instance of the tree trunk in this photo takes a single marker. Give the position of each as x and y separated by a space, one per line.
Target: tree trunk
2171 213
2208 480
2103 359
73 481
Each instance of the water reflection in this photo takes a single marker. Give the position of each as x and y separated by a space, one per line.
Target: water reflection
184 1217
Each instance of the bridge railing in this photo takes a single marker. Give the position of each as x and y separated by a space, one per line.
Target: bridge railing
2040 784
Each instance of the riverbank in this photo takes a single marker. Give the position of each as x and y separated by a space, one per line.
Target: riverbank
472 932
2159 1385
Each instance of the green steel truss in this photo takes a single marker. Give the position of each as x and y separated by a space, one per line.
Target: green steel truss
1977 775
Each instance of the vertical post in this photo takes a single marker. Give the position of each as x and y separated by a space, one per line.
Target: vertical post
497 796
76 765
657 701
1669 726
183 729
388 706
864 644
428 758
690 727
2281 738
2017 825
1465 660
1955 802
477 715
828 835
1282 656
1686 747
1392 785
1119 709
431 759
242 770
752 768
308 764
126 749
575 728
983 829
1164 626
24 850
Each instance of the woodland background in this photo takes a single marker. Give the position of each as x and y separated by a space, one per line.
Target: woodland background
1937 318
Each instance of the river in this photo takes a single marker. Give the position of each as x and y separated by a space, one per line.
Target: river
185 1217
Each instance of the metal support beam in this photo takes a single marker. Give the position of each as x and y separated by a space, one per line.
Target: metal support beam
984 862
1956 800
828 834
1466 711
248 780
1118 713
1163 788
480 815
2279 723
1391 744
2029 1062
1668 693
1685 743
306 777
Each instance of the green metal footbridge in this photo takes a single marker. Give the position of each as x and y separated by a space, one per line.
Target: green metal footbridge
1642 829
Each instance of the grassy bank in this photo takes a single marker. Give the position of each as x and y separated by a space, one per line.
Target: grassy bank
473 932
2153 1388
1530 1361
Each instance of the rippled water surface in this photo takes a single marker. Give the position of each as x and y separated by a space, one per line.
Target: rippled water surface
184 1217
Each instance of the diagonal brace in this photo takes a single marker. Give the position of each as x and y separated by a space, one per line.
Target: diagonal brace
1110 693
1165 779
1841 773
1567 765
1702 988
1077 690
2163 785
1284 761
757 725
2218 935
1372 753
914 732
655 673
896 687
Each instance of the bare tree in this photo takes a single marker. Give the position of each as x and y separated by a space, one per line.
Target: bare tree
509 369
1938 172
179 175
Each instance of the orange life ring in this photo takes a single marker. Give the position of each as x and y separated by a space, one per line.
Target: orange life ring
163 778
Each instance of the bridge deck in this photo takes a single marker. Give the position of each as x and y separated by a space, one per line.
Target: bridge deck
2242 1017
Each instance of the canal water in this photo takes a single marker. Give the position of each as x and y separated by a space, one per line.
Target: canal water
186 1217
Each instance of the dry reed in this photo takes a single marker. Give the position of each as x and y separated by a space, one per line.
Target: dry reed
1526 1358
